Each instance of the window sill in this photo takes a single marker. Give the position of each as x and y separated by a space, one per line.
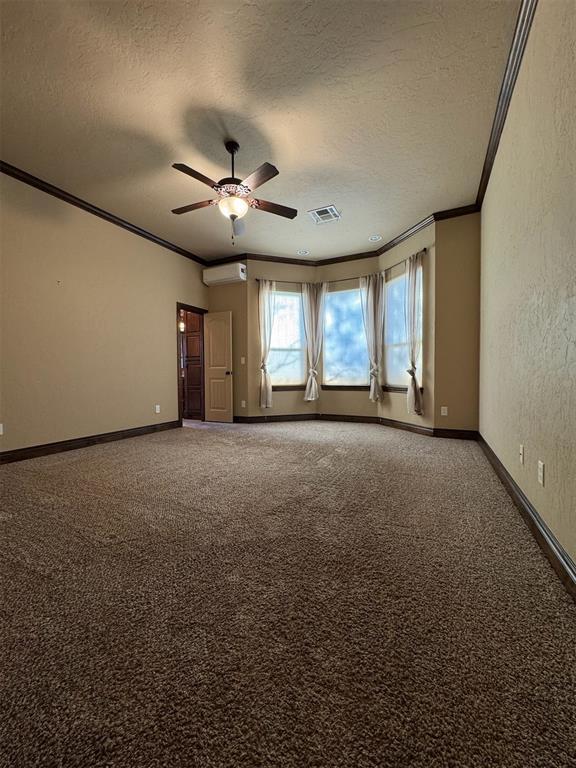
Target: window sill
364 388
288 387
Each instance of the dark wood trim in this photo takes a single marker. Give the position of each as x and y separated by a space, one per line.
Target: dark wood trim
521 33
365 388
288 387
349 257
34 451
261 257
451 213
456 434
50 189
356 419
407 426
346 387
199 311
190 308
559 559
275 417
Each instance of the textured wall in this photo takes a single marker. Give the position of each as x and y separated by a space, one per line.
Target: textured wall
457 322
88 322
528 297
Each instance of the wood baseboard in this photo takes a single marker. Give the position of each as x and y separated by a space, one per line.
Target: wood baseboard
458 434
559 559
34 451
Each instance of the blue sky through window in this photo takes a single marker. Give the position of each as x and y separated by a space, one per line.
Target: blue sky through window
345 353
286 362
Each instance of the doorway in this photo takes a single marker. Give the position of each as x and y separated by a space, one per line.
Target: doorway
190 330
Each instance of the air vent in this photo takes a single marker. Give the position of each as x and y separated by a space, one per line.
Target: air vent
323 215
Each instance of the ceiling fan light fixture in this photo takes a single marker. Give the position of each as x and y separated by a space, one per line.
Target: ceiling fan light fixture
233 206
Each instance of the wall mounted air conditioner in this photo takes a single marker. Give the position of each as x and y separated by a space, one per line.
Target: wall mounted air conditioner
227 273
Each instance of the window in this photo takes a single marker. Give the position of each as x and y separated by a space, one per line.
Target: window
395 342
345 354
287 359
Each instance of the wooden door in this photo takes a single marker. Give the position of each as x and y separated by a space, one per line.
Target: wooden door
218 366
191 356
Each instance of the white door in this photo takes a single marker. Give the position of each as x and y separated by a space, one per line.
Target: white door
218 366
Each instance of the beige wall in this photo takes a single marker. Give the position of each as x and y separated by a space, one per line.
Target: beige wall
234 298
88 322
453 348
528 295
457 322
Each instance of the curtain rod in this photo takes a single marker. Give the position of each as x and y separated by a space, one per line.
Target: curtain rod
345 279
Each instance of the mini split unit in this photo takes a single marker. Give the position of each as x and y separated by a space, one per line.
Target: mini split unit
227 273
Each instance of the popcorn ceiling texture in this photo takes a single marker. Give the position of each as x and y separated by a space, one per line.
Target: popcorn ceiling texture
382 108
278 596
528 305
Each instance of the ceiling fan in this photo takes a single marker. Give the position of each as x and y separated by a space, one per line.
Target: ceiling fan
235 196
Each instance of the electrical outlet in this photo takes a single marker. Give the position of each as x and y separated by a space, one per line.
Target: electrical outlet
521 454
540 472
242 361
243 403
156 409
1 429
443 410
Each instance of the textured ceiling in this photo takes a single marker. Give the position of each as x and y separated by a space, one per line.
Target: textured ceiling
382 108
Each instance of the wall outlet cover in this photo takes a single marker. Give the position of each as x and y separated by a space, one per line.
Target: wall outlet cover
521 453
243 403
443 410
540 472
156 409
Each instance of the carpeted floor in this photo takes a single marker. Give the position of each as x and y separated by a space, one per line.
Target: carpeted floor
278 595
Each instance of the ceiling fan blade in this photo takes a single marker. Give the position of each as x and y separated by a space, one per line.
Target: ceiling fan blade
193 206
195 174
279 210
261 175
238 227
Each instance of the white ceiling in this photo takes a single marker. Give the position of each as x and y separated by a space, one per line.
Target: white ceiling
381 107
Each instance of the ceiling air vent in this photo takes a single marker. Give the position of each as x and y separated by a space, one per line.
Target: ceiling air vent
323 215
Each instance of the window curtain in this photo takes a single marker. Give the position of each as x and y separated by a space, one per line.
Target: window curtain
372 295
313 299
266 307
413 320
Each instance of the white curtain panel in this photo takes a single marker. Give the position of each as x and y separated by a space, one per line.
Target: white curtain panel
266 308
413 320
372 295
313 299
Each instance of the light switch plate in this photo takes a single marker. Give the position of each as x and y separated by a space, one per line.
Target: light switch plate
243 403
243 361
540 472
443 410
1 429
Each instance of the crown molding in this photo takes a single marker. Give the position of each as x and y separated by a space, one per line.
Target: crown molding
517 48
515 55
67 197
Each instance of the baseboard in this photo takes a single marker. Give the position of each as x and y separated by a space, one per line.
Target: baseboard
559 559
275 417
35 451
458 434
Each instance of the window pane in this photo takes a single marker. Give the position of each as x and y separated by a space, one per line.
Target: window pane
345 353
396 346
286 362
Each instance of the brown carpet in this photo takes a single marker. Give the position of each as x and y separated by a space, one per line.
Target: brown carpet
299 594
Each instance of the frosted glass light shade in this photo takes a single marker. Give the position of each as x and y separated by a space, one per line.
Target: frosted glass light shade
233 206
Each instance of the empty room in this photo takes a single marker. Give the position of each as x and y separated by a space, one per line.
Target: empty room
288 384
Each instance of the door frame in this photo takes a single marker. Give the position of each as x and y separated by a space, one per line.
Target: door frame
199 311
